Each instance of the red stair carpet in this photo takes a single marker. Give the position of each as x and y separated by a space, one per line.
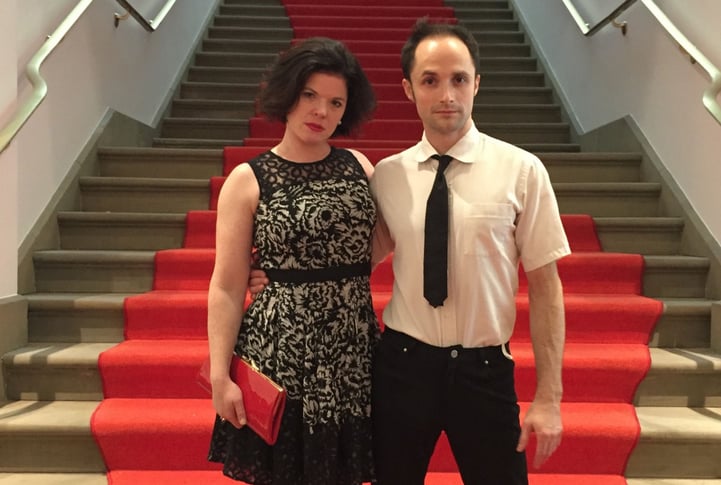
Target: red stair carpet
154 425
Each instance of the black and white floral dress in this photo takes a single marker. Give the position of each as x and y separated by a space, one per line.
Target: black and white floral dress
313 328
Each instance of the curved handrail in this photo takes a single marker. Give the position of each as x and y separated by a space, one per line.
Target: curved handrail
32 70
149 25
588 29
710 95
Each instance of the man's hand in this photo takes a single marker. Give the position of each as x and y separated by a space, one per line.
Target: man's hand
543 419
257 281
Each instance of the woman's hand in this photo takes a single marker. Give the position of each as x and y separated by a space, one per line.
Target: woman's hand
228 402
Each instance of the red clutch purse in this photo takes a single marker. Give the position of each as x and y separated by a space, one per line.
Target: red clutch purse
263 399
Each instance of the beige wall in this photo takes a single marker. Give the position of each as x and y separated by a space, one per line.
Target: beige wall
96 67
9 158
13 329
645 76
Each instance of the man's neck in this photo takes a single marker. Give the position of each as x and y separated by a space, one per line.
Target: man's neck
443 142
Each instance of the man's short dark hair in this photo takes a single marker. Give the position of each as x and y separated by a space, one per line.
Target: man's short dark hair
424 29
288 75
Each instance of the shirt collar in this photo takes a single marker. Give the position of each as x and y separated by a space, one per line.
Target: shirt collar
465 150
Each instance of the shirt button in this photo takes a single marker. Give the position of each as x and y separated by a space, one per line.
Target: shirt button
454 353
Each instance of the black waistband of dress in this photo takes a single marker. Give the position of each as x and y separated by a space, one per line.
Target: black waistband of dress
333 273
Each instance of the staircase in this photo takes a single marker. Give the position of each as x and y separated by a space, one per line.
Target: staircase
137 204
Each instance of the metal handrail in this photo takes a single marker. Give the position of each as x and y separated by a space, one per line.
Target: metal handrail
710 95
588 29
32 70
149 25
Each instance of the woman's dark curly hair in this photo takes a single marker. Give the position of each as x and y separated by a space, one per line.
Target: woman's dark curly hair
289 74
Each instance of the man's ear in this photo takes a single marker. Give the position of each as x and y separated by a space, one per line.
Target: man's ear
408 88
477 83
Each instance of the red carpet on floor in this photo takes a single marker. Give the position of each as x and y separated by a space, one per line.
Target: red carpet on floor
154 425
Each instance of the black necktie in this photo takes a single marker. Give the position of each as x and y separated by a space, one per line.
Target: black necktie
435 251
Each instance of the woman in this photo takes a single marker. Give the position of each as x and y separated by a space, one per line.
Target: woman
306 209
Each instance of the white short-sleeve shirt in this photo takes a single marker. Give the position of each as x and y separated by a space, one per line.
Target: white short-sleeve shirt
502 211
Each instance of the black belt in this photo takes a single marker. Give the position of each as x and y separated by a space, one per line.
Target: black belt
333 273
454 351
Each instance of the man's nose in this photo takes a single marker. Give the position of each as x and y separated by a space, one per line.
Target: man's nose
447 93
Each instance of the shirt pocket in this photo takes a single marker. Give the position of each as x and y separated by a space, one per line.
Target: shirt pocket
488 229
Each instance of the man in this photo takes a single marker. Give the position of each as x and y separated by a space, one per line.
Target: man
447 367
443 363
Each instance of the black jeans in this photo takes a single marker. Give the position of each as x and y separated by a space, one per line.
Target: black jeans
420 390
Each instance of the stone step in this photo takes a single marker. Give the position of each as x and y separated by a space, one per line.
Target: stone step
89 317
679 442
253 33
473 4
48 437
252 76
313 8
481 13
213 108
121 230
94 271
385 11
386 50
386 61
54 372
132 271
623 199
234 59
497 20
253 21
76 317
258 10
53 478
675 276
592 167
149 162
642 235
250 46
488 93
681 377
161 142
385 110
155 231
685 323
513 132
272 35
205 128
475 25
224 75
69 371
672 481
134 194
